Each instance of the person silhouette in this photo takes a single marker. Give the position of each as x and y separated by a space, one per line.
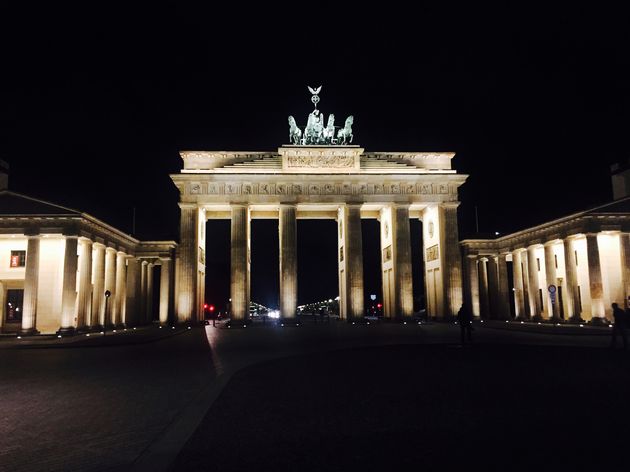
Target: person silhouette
464 318
619 327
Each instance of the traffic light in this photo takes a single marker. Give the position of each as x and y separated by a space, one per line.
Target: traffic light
211 308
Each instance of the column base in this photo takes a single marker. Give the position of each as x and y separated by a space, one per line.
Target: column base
70 331
576 319
28 332
598 321
288 322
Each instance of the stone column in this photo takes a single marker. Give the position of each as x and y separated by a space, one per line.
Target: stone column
451 258
493 288
239 279
473 284
484 302
352 265
188 261
403 281
624 244
142 312
519 290
534 299
31 285
570 285
165 290
504 288
98 288
69 294
149 313
132 291
595 278
118 297
552 279
110 284
287 227
84 308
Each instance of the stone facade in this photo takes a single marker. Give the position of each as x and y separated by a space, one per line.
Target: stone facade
57 263
572 268
337 182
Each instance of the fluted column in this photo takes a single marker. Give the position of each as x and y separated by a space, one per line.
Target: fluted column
110 284
165 289
519 290
84 308
533 285
69 294
287 226
31 285
142 312
570 286
493 288
351 297
119 300
149 313
403 282
484 302
132 291
551 277
473 284
188 263
504 288
451 258
595 277
239 279
624 244
98 289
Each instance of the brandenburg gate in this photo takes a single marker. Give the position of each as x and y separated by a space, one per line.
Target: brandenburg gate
322 175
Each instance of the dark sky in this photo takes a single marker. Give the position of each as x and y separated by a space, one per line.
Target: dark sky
96 102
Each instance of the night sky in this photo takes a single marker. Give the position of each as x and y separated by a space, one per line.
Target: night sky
95 104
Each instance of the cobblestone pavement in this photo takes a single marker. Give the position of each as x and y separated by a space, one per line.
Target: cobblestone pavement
133 406
83 409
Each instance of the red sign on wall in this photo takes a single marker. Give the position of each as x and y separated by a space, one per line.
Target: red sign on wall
15 261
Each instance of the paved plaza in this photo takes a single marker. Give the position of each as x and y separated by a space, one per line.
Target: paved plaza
318 397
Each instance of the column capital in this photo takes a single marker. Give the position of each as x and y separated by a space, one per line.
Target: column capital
98 245
551 242
187 206
286 205
145 263
450 204
110 249
121 253
239 205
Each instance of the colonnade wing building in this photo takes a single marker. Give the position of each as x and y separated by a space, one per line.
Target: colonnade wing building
572 268
340 182
57 263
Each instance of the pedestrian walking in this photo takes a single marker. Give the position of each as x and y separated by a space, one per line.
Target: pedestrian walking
619 327
464 318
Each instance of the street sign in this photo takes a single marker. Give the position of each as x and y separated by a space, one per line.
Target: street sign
552 289
372 297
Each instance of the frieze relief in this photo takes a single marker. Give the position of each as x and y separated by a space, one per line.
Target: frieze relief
339 188
319 161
